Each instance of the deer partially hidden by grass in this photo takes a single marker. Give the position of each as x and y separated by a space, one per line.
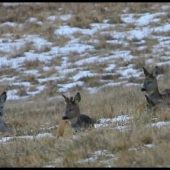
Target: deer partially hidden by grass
3 126
73 116
150 86
162 108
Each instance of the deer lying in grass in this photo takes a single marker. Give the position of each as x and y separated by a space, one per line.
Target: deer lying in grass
151 106
72 114
150 86
3 126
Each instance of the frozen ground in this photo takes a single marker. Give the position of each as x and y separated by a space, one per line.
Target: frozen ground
77 69
118 61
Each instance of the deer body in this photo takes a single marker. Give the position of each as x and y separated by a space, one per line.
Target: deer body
160 106
72 113
3 126
82 121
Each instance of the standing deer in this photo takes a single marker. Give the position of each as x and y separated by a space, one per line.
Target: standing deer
150 86
72 113
3 126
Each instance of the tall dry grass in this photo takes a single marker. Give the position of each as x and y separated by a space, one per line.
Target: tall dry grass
42 116
43 113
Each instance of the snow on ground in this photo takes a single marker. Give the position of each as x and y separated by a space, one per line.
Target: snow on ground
43 135
142 30
97 154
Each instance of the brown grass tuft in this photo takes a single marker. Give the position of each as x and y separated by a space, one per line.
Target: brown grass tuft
62 128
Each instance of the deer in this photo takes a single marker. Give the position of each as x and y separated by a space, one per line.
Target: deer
72 114
150 87
3 126
152 107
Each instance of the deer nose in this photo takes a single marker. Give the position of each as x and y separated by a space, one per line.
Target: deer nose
143 89
64 117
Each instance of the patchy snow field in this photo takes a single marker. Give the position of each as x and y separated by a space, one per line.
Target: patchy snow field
140 38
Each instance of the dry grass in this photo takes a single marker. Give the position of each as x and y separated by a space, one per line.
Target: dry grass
28 78
91 81
51 88
7 70
73 56
20 52
31 118
22 91
43 113
56 61
32 64
139 7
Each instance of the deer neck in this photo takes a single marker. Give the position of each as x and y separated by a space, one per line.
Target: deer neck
155 95
75 119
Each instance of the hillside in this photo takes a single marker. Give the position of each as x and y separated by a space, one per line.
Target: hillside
97 49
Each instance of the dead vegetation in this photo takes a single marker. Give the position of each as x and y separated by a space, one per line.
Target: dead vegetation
43 116
42 113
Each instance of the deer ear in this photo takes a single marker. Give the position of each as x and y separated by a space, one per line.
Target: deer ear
145 71
156 71
77 98
149 101
3 97
66 98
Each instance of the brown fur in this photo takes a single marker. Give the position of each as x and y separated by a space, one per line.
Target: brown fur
63 126
72 113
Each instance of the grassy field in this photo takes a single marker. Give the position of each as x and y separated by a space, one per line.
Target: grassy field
139 145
